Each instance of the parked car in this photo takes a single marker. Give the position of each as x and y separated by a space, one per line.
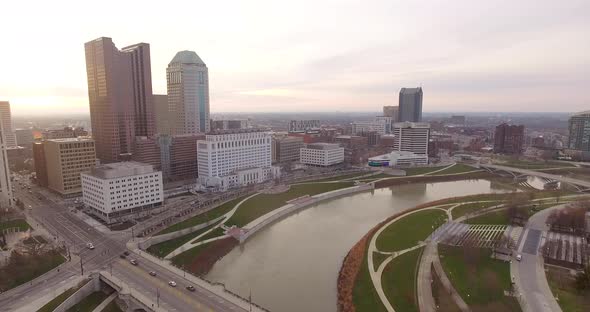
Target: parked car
134 262
152 273
90 246
518 257
190 288
172 283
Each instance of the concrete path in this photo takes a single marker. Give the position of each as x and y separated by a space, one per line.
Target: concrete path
424 289
446 282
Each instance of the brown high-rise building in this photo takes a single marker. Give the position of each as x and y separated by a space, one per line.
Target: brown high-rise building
120 95
508 139
40 163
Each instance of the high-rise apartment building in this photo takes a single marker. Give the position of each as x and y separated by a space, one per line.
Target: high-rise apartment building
6 116
5 185
508 139
65 159
162 115
120 96
40 163
234 158
187 78
579 131
411 137
410 105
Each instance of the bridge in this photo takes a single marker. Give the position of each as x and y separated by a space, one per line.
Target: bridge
580 185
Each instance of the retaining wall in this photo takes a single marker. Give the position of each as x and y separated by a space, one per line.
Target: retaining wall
168 236
290 208
90 287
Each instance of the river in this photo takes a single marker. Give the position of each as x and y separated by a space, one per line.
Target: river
293 264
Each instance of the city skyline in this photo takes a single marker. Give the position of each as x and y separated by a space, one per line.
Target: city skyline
467 56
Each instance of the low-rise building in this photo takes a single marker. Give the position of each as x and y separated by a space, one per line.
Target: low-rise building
398 159
322 154
65 159
64 133
287 149
378 126
121 191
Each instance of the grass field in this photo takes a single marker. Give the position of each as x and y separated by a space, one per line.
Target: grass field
89 303
458 168
261 204
164 248
24 268
19 223
407 231
202 218
364 295
399 281
188 256
422 170
112 307
378 258
479 279
496 217
525 164
561 283
215 233
338 178
464 209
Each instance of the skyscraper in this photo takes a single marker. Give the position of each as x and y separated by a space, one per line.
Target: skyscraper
120 95
508 139
411 137
6 116
5 186
579 129
162 114
188 94
410 105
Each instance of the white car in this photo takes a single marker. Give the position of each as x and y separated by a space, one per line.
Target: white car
518 257
172 283
90 246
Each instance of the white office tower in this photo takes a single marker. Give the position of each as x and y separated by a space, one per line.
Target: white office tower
5 186
234 158
380 126
119 191
6 116
411 137
187 77
322 154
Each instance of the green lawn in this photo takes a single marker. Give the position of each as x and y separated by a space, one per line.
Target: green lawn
496 217
364 295
562 286
20 223
261 204
409 230
187 257
458 168
112 307
24 268
525 164
164 248
202 218
399 281
422 170
479 279
338 178
215 233
89 303
378 258
464 209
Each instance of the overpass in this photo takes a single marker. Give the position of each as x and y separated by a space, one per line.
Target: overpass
580 185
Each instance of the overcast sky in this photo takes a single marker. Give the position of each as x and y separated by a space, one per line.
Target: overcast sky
313 55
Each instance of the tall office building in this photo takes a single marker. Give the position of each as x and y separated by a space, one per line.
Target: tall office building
24 137
120 96
161 114
508 139
410 105
411 137
188 94
5 186
9 136
579 131
391 111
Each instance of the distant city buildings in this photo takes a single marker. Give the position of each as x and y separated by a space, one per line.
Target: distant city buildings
508 139
228 124
457 120
304 125
233 158
59 162
378 126
322 154
119 191
6 116
411 137
64 133
24 138
410 105
579 131
5 185
120 96
187 79
391 111
398 159
286 149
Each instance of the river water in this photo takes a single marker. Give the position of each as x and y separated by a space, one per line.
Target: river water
293 264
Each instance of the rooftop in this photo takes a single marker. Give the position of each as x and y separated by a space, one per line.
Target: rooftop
407 124
187 57
236 131
71 140
323 146
410 90
121 169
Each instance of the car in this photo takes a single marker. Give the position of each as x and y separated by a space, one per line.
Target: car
134 262
122 256
152 273
90 246
172 283
518 257
126 253
190 288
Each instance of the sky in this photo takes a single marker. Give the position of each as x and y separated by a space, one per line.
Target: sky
312 55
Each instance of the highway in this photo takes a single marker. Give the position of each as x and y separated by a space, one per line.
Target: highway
74 233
